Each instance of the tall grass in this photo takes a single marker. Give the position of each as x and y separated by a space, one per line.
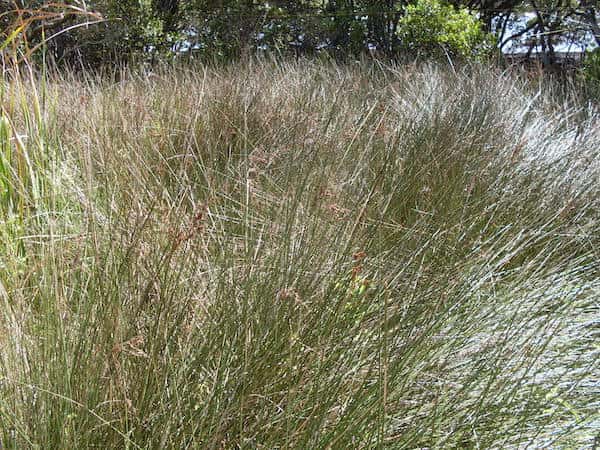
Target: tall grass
298 255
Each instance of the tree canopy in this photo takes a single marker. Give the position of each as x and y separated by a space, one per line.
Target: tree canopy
92 32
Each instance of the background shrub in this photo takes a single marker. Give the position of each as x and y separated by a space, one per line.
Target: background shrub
434 27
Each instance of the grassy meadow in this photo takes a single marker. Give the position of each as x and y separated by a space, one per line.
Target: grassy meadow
298 256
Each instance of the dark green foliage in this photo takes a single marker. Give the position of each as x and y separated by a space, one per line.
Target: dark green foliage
590 73
153 30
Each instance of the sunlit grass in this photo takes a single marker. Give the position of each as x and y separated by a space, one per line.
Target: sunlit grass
298 256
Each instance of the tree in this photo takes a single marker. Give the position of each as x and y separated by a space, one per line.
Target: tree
433 27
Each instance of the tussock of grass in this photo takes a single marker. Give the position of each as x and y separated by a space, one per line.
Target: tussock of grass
299 256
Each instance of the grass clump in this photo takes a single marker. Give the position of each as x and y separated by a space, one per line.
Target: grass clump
301 256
